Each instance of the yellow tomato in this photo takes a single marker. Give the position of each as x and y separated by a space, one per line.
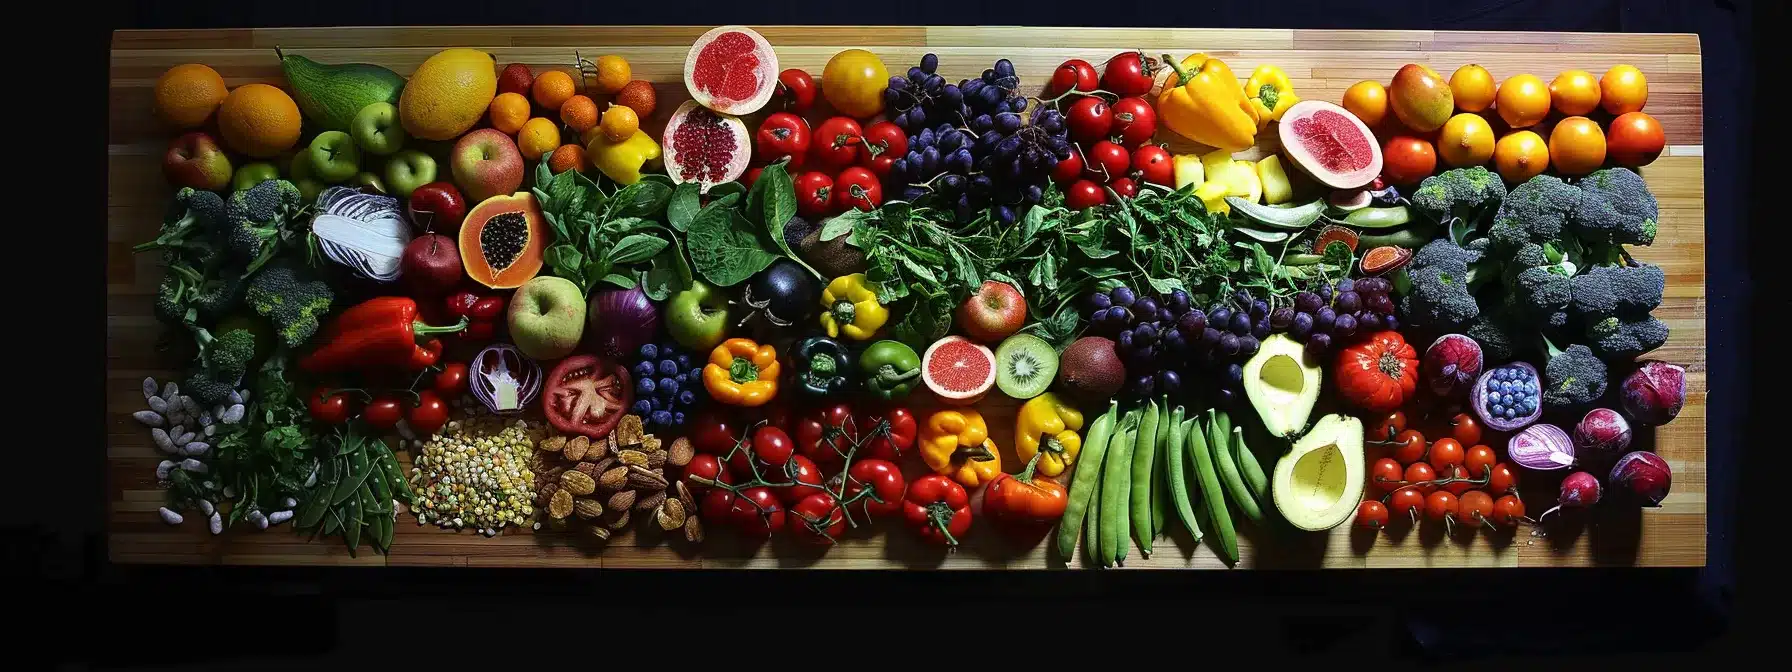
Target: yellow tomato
1574 92
1467 140
854 83
1368 100
1623 89
1576 146
1473 88
1523 101
1520 156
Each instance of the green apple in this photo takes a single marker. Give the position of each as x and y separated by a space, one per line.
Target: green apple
301 166
376 128
252 174
309 188
698 317
547 317
334 157
369 182
407 170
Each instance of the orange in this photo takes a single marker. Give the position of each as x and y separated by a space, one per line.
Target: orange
568 157
1523 101
552 89
1467 140
612 73
620 123
1635 139
1472 87
188 95
259 120
1520 156
1368 100
539 136
508 112
1574 92
1623 89
1577 146
638 96
579 113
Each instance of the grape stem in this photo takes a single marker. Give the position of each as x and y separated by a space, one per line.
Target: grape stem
1053 101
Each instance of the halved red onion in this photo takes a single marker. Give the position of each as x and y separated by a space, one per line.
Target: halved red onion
1543 447
503 379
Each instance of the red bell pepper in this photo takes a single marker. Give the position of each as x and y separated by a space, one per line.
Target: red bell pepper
380 333
938 508
482 312
886 435
1025 497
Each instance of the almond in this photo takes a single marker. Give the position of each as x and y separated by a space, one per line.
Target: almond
600 532
614 479
587 508
606 447
651 444
670 515
645 479
656 460
647 503
693 530
605 464
588 469
634 457
685 497
577 482
620 521
561 505
545 493
629 431
552 444
621 501
681 452
575 449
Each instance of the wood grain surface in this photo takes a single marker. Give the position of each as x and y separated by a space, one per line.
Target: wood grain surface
1321 63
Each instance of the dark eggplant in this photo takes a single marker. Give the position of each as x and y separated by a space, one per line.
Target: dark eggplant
783 294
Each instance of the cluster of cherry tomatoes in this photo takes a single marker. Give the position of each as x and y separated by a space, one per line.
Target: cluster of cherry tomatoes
424 411
1454 479
836 167
1109 136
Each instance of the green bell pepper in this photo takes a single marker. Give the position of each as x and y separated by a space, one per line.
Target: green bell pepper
822 366
891 369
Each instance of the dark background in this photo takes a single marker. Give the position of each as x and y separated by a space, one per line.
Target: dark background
256 618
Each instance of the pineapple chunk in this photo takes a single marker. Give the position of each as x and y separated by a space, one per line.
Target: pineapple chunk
1188 170
1246 185
1213 194
1215 161
1276 188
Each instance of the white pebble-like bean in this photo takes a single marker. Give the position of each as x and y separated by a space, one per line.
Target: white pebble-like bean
194 466
279 517
189 405
163 443
175 417
289 502
169 389
232 415
230 491
158 404
149 418
236 397
149 388
180 435
244 395
217 523
210 430
169 516
163 468
206 506
195 448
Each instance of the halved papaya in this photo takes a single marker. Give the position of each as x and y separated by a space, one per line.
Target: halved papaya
502 240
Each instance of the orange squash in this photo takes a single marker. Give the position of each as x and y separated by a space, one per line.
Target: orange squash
502 240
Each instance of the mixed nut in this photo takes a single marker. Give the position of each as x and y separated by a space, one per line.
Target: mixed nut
602 484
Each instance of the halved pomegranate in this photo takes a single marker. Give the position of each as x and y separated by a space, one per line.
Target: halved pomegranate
731 70
1330 143
705 147
588 395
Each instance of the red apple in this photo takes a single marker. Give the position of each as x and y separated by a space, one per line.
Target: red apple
195 160
516 78
438 207
486 163
993 313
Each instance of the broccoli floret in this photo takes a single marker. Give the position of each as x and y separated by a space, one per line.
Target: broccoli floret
1573 377
290 298
1535 212
223 360
1593 295
1443 282
1462 192
1494 332
194 215
1615 208
1638 288
1540 295
1623 338
259 216
219 295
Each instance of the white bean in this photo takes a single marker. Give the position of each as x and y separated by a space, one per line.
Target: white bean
169 516
158 404
244 395
196 448
163 468
194 466
206 506
176 417
149 388
236 397
210 429
232 415
169 389
149 418
163 443
217 523
189 406
289 502
179 435
230 492
279 517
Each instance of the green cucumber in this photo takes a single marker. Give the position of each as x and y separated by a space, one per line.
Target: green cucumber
1411 236
1083 483
1379 218
331 95
1294 217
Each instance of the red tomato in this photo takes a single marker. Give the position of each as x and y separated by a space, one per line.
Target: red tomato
782 135
817 518
885 434
1459 482
329 410
1407 501
825 434
1127 74
800 471
1508 510
1084 194
752 176
772 446
1076 73
1477 460
1379 374
814 194
1445 453
1089 120
836 144
1135 121
884 479
1152 163
883 139
715 433
1069 170
1411 448
857 187
938 508
1465 429
383 413
1124 187
705 465
757 512
1371 515
797 89
1387 475
451 381
428 415
1387 427
1420 475
881 165
1406 160
1634 139
1440 505
1107 162
1473 507
717 507
1501 480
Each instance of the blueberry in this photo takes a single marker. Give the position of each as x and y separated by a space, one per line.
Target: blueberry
1493 397
668 386
684 377
678 417
1498 409
644 369
668 367
1510 414
687 398
684 360
644 386
650 351
657 403
641 407
662 418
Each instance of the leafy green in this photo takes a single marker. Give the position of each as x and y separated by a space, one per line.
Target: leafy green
602 238
728 244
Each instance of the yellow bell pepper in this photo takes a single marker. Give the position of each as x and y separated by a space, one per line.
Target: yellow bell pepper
1270 94
742 373
623 161
849 305
1047 427
1204 103
957 444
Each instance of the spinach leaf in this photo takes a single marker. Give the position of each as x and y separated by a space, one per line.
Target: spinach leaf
724 247
777 206
620 280
641 199
636 248
926 321
683 206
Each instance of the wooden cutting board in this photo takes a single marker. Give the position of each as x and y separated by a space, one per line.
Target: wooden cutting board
1322 64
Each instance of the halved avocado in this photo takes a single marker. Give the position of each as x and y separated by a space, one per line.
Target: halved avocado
1282 384
1319 483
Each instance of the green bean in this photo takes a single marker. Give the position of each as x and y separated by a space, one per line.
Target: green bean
1085 480
1250 468
1160 491
1379 218
358 468
1174 479
1116 487
1207 476
1229 476
1301 259
1411 236
1092 523
1144 452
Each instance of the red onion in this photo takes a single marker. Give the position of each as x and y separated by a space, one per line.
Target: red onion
503 379
1645 475
1653 395
1579 490
1602 431
1542 447
1451 364
621 320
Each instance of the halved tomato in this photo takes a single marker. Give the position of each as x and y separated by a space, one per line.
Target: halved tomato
588 395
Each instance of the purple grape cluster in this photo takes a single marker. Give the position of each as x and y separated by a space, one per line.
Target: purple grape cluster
1326 314
1150 334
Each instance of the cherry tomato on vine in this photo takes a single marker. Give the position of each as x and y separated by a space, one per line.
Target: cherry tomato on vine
715 433
1076 73
1069 170
707 466
797 89
1388 427
836 144
817 518
1445 453
1135 121
1473 507
825 433
814 194
451 381
757 512
717 507
332 409
805 476
771 446
1371 515
883 139
428 415
1407 501
886 482
1440 505
1084 194
1508 510
383 413
1465 429
1502 480
1124 187
857 187
1387 475
1106 162
1459 482
1420 476
1089 120
1411 448
886 434
1153 164
1477 460
1127 74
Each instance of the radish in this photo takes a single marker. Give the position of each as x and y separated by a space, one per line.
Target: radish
1602 432
1579 490
1645 475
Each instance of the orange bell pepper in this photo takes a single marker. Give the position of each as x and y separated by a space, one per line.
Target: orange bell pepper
742 373
957 444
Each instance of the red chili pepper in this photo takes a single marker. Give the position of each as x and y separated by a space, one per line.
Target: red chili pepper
380 333
483 314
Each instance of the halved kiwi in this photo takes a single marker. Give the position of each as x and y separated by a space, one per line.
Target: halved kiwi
1025 366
